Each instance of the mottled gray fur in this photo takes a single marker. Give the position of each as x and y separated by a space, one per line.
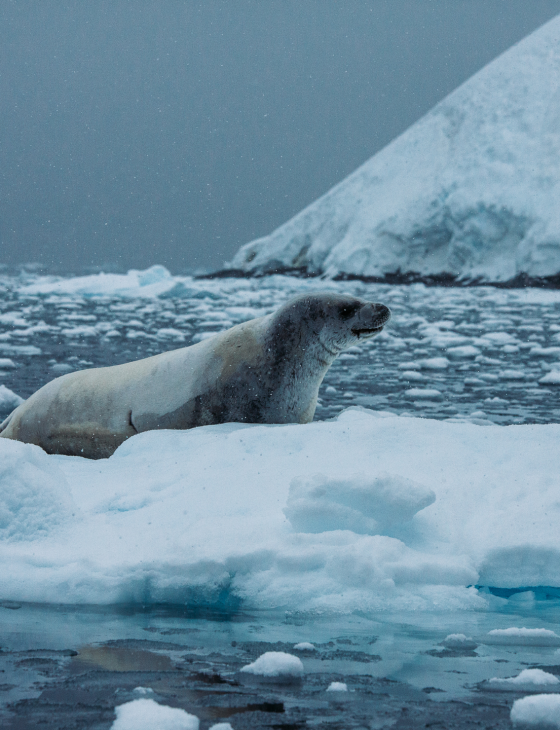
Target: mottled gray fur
267 370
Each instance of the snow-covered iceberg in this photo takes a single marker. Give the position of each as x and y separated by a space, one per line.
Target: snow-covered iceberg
415 513
471 191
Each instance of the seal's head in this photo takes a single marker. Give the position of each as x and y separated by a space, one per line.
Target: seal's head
332 321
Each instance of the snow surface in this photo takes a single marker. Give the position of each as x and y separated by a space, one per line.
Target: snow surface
537 711
148 715
470 190
204 517
275 664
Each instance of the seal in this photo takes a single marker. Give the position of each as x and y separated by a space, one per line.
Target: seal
266 370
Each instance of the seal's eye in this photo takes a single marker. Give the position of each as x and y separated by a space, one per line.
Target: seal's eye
346 311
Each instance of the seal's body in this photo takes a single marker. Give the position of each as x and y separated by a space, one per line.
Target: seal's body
267 370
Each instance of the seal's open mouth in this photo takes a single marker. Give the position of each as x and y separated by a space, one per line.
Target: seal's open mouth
366 332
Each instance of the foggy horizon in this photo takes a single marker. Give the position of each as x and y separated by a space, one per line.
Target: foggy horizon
138 133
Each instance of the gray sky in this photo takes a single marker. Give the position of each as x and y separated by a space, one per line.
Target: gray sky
140 132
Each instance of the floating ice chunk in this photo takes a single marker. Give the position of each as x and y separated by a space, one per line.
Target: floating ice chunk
459 641
170 333
6 364
221 726
544 351
464 352
143 691
330 389
359 503
527 678
409 366
412 375
8 399
275 664
551 378
81 331
537 711
337 687
62 367
6 349
34 494
523 636
498 338
423 393
304 646
148 715
434 363
511 375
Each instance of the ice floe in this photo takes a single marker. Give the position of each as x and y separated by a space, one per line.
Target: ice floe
145 714
540 711
275 664
413 514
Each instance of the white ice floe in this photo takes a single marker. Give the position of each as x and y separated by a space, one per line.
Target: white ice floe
6 363
232 514
8 399
470 190
551 378
337 687
459 641
275 664
526 679
304 646
149 715
523 636
423 393
540 711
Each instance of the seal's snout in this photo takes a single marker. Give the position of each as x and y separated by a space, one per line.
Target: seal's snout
371 319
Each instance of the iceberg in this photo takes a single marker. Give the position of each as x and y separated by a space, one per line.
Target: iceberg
470 193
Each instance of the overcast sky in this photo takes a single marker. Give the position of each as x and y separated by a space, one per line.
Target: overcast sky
140 132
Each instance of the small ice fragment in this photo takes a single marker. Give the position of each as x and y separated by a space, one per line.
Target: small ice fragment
6 363
459 641
221 726
434 363
61 367
551 378
537 711
422 393
8 399
275 664
143 690
528 677
529 637
337 687
330 390
511 375
304 646
463 352
148 715
412 375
